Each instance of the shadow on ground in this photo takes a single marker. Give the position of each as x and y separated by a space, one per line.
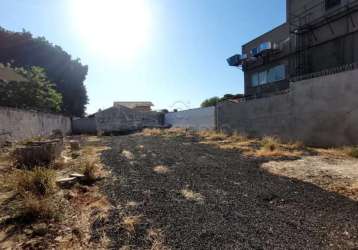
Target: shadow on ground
197 196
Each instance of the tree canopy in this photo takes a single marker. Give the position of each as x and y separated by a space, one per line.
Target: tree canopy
215 100
21 49
35 92
210 102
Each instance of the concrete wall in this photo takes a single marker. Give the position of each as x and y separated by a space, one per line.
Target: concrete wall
120 119
320 111
16 124
84 126
199 119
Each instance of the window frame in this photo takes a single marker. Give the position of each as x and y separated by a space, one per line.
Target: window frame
263 77
255 79
278 73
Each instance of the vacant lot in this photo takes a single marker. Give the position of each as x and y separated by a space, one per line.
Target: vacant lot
185 192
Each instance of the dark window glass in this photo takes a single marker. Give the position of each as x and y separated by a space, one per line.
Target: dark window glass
332 3
277 73
255 80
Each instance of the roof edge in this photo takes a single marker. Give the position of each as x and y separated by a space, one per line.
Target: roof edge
274 29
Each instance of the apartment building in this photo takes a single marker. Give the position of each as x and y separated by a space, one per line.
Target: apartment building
318 37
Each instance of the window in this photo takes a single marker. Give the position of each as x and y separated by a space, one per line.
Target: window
332 3
263 77
277 74
274 74
255 80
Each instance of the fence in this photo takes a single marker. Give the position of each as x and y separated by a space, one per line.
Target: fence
84 126
321 111
339 69
198 119
17 124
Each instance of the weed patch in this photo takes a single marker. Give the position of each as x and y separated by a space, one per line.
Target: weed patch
269 143
32 208
90 169
352 152
39 182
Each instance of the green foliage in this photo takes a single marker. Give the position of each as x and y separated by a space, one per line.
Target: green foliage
35 93
215 100
21 49
210 102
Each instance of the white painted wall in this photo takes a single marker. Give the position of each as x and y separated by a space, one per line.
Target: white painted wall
17 124
197 119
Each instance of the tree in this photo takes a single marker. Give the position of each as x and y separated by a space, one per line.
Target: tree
21 49
227 97
35 93
215 100
210 102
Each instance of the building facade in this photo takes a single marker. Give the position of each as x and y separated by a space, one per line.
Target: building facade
319 37
139 106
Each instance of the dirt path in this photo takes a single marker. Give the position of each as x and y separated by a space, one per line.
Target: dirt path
179 194
332 174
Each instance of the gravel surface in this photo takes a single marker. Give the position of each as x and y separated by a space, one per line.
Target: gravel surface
186 195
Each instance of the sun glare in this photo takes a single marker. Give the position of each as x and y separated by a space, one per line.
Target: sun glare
115 29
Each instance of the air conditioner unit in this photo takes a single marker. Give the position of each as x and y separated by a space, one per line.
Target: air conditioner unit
236 60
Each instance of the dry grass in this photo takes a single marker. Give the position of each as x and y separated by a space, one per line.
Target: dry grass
128 155
129 223
89 151
35 194
180 132
156 237
39 182
265 147
351 152
75 145
32 208
212 135
274 147
5 159
281 152
90 170
341 152
268 146
172 132
192 196
161 169
238 137
269 143
152 132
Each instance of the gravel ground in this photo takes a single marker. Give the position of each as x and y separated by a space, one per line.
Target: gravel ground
186 195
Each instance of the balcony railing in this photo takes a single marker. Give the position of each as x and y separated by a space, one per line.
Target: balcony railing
332 71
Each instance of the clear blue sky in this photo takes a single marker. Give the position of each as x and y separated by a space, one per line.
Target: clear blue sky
183 61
